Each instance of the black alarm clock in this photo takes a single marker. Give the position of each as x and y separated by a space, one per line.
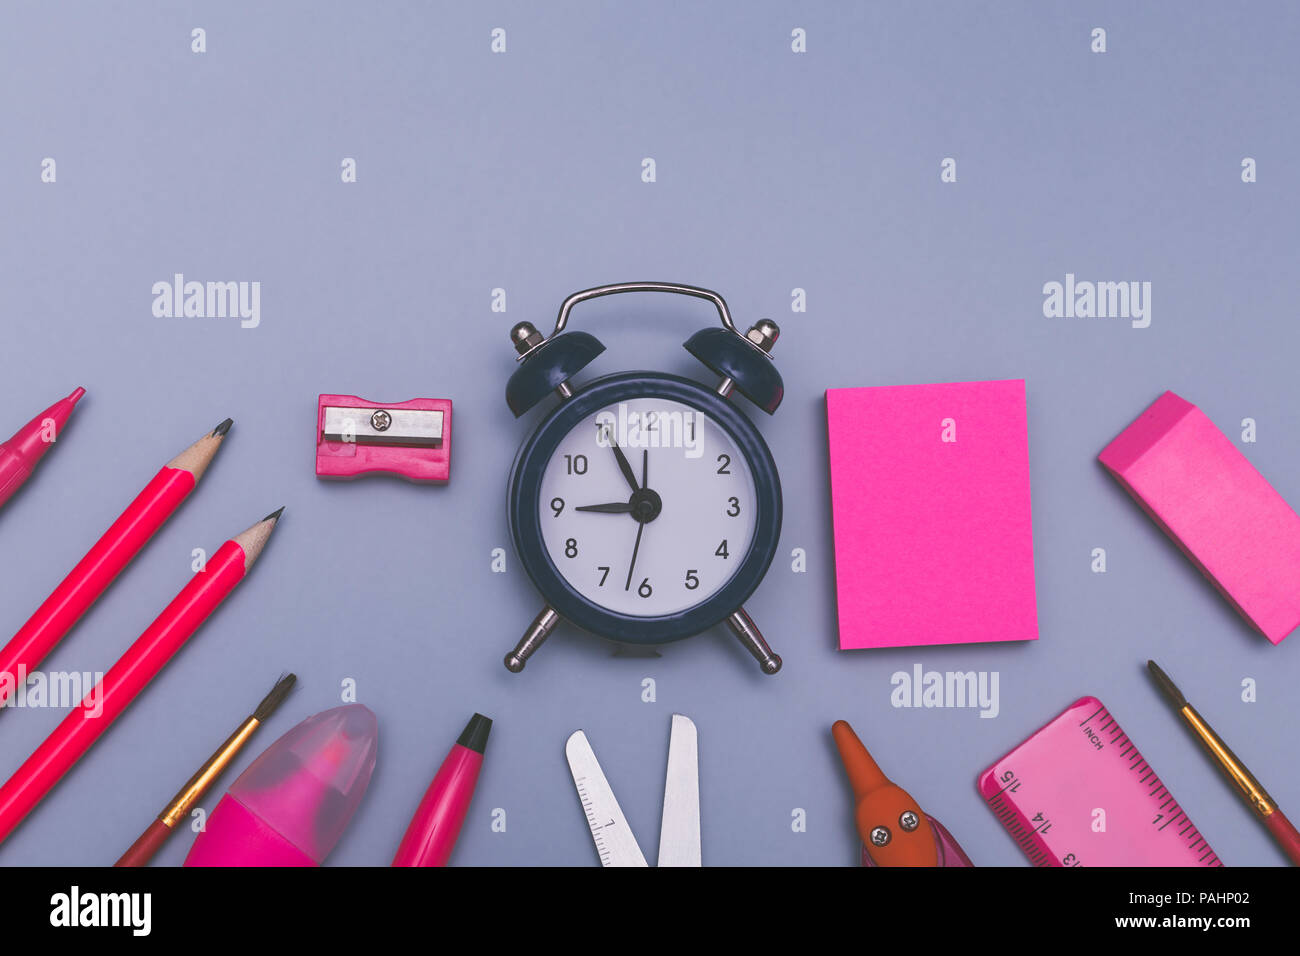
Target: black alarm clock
645 507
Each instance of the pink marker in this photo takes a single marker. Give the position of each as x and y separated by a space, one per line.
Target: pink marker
292 804
20 454
433 830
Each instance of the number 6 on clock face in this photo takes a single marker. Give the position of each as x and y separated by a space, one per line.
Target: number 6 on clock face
647 507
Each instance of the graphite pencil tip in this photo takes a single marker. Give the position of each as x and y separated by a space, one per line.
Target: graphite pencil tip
198 456
254 539
1167 686
275 515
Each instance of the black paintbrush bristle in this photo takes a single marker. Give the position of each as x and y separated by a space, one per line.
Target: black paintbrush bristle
274 699
1168 687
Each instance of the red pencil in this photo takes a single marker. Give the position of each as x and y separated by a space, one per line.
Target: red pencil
105 560
20 454
132 672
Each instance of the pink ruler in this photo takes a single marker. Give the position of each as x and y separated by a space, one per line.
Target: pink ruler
1078 793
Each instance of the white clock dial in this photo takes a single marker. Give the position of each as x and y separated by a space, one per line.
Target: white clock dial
672 520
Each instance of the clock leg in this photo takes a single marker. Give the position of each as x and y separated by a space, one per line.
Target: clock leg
742 625
537 632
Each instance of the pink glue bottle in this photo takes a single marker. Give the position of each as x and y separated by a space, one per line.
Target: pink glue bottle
432 832
292 804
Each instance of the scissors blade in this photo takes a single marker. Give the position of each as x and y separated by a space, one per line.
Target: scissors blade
679 832
615 844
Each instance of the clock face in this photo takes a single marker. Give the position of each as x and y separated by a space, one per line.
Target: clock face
648 507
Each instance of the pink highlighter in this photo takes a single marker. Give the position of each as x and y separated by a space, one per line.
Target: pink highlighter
292 804
432 832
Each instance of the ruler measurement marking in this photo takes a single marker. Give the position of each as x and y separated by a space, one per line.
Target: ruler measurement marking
1032 838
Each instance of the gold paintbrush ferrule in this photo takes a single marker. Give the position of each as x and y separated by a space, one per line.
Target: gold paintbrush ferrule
1233 768
198 784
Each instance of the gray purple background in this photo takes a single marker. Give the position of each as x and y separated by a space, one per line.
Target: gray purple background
522 171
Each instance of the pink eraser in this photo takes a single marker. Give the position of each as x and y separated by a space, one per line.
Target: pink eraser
930 500
1225 516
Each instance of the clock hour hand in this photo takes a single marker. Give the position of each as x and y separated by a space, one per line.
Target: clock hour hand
613 508
623 465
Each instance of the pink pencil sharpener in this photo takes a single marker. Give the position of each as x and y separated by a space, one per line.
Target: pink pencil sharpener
356 437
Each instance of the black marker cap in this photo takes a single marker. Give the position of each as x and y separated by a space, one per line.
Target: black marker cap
475 734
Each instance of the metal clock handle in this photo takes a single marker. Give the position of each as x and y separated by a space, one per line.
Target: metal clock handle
762 335
719 303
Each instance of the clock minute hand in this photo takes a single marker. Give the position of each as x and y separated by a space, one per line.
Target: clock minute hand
613 508
645 511
640 526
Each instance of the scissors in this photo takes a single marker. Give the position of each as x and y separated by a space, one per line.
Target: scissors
679 831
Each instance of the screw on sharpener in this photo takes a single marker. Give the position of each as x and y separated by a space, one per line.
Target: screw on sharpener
356 437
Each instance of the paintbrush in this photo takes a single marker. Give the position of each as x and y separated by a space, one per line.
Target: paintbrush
153 838
1242 779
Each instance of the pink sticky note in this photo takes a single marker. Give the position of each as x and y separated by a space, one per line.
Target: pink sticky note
930 494
1225 516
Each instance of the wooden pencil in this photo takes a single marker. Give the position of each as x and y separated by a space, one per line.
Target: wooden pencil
105 560
132 673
